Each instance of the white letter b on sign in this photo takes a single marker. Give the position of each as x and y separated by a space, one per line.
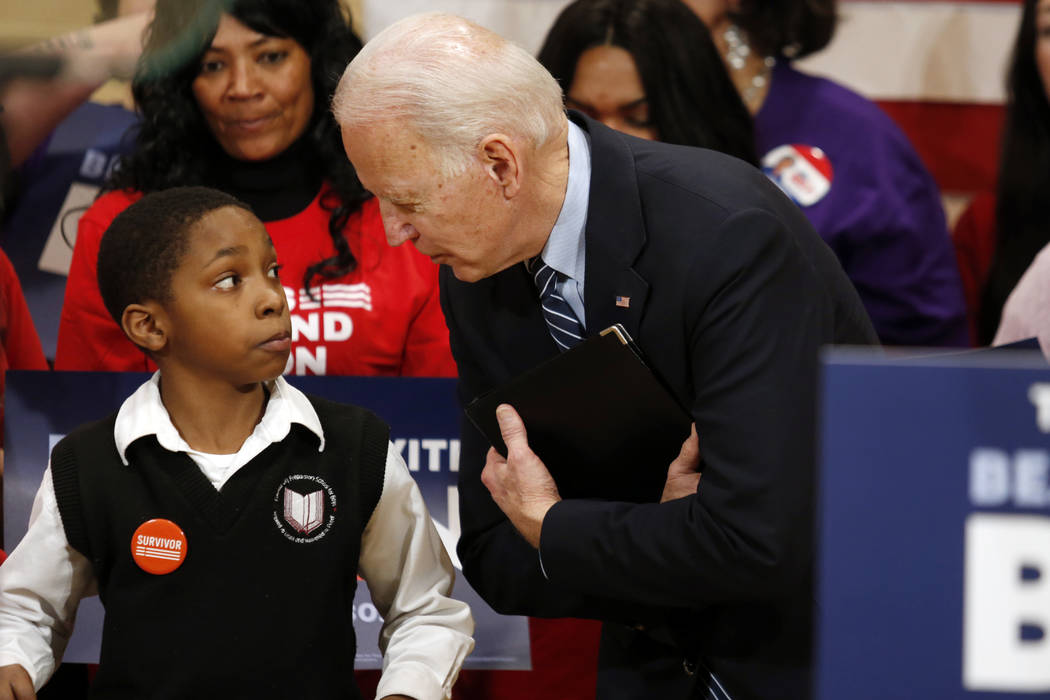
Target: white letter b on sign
1006 623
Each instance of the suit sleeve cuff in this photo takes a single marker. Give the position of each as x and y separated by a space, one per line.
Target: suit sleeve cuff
556 541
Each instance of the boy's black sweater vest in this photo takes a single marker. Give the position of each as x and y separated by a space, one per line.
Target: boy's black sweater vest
258 609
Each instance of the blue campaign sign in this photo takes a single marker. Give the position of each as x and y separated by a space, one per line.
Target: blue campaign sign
423 415
934 564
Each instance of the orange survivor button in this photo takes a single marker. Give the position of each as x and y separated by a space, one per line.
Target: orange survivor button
158 546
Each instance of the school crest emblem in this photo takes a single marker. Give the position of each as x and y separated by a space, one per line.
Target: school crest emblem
304 508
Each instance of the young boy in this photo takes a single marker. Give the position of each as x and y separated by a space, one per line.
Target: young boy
221 514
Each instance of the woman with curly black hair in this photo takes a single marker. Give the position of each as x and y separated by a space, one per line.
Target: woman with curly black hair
234 94
1001 233
647 68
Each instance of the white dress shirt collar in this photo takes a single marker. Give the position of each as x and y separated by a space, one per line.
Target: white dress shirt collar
143 413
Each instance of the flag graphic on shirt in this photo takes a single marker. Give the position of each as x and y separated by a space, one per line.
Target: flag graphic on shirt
304 513
350 296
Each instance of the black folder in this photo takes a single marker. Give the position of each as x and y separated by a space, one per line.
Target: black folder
601 421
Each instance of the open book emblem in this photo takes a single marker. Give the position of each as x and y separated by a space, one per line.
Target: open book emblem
304 508
305 513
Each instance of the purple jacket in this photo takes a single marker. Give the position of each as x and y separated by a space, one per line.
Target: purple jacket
868 195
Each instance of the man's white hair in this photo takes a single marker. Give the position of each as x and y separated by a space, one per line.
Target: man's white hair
454 82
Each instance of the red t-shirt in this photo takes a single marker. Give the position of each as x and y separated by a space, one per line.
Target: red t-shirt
19 344
383 318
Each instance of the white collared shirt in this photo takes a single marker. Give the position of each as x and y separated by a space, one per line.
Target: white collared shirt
425 635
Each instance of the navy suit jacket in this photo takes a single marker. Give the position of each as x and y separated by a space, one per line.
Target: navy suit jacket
732 294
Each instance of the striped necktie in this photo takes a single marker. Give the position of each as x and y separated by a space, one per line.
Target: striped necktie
565 328
708 686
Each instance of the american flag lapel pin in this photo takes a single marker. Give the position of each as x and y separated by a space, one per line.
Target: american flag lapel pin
623 302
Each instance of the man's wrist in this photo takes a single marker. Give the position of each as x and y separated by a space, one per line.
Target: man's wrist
533 527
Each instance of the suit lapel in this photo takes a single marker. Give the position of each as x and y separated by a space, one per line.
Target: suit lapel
613 292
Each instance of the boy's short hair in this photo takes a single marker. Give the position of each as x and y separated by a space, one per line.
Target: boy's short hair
145 243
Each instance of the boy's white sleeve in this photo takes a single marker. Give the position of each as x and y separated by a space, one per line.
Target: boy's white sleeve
41 584
426 635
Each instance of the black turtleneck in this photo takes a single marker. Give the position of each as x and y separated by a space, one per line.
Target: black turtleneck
275 189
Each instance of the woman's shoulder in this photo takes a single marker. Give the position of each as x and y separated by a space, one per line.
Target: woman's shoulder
815 88
94 222
859 137
108 205
117 199
831 106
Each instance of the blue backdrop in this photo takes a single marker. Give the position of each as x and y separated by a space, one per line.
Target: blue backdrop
934 568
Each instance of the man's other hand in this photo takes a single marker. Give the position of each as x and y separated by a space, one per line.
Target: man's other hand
520 484
15 683
683 476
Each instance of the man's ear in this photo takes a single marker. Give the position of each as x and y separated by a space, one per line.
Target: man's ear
145 325
499 154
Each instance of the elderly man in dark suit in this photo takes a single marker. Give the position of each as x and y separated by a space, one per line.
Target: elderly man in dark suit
551 228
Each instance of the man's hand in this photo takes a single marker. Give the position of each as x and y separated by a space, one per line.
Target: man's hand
15 683
520 484
683 476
